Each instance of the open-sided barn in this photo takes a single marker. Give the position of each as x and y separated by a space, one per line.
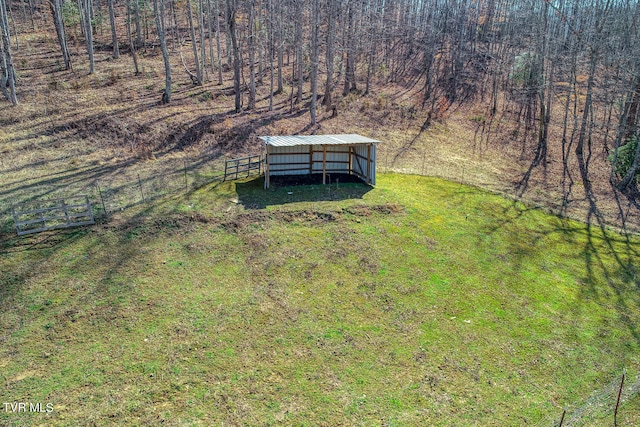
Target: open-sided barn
320 154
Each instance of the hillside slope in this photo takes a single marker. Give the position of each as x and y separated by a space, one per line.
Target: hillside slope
419 302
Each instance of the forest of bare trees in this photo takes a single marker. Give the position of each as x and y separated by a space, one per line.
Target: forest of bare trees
563 69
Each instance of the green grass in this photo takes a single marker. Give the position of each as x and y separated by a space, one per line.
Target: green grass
419 302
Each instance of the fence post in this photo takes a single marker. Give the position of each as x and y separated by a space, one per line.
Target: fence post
104 207
140 183
15 218
66 212
186 183
615 413
564 412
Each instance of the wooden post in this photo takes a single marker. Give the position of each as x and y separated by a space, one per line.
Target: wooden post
615 413
89 209
310 159
350 159
141 193
186 183
15 218
369 164
564 412
324 164
267 170
66 212
41 216
104 207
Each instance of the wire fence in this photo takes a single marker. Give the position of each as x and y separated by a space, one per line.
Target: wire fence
605 406
118 185
113 187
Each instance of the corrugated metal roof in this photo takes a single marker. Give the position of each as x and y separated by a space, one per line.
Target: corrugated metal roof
293 140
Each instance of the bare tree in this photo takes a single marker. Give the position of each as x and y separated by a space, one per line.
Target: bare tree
332 11
280 48
251 102
298 44
56 12
231 25
315 24
138 24
8 77
198 77
158 8
203 54
114 35
218 53
350 51
87 26
132 46
270 50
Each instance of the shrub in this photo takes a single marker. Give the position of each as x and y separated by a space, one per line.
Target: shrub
624 157
70 13
526 72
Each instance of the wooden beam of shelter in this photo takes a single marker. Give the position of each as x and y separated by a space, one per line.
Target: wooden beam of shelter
324 164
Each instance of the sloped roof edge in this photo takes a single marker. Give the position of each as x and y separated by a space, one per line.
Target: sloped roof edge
293 140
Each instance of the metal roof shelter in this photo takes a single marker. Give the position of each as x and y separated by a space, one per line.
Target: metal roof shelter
320 154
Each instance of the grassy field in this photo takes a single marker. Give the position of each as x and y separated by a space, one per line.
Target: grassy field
419 302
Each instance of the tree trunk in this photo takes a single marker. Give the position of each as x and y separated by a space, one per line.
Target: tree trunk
219 54
315 24
632 115
587 104
134 53
231 25
251 104
9 11
8 77
298 44
158 8
350 71
210 35
332 10
270 50
229 48
176 41
138 26
203 50
56 12
280 50
373 31
89 34
544 83
194 45
31 12
114 35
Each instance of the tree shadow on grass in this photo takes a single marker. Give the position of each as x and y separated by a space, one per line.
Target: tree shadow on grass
609 275
12 243
253 195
